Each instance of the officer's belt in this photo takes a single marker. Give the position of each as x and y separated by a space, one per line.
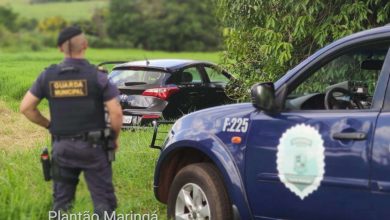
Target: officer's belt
86 136
83 136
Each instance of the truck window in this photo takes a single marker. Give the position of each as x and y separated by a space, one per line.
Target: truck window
346 82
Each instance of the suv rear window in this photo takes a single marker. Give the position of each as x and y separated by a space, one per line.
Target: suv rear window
126 77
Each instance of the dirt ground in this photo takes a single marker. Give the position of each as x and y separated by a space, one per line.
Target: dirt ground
17 133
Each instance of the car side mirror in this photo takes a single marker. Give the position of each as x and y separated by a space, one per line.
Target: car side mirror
263 96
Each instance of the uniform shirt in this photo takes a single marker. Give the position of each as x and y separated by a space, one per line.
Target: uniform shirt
109 90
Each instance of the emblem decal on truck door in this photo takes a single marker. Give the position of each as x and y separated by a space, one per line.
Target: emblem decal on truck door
301 159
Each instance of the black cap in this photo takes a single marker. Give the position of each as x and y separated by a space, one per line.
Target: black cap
67 33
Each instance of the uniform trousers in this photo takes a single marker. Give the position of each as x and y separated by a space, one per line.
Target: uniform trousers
70 158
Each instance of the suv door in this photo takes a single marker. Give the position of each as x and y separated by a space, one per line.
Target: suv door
308 162
191 95
215 86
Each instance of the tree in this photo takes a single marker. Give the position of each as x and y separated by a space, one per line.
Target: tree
8 18
263 39
51 1
174 25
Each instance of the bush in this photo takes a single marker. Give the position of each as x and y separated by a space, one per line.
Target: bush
8 18
97 42
51 1
52 24
12 41
26 24
6 36
32 41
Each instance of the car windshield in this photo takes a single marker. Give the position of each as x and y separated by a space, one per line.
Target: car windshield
136 77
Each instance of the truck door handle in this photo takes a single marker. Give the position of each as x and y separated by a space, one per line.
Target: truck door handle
350 136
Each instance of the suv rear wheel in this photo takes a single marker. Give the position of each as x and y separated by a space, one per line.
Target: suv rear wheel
198 192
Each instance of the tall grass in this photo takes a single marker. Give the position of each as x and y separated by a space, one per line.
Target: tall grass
23 193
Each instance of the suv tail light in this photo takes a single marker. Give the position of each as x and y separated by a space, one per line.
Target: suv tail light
162 93
151 116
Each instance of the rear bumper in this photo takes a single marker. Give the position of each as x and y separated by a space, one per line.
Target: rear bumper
139 110
132 118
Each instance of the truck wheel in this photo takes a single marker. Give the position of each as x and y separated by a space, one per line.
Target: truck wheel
198 192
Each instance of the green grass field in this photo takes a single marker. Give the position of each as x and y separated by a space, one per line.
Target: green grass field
23 193
71 11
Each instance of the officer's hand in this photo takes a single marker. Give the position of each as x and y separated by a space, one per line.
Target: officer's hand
116 145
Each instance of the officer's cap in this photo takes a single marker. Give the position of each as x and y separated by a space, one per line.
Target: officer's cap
68 33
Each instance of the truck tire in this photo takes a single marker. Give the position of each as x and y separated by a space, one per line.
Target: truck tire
198 192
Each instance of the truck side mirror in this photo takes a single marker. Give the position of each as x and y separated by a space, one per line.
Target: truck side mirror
263 96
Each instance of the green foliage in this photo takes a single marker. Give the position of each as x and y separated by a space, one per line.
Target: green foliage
52 24
8 18
27 24
41 33
13 22
33 34
50 1
266 38
5 36
18 32
96 30
70 11
20 40
165 24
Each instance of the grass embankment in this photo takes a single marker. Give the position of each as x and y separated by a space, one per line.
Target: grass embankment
70 11
23 193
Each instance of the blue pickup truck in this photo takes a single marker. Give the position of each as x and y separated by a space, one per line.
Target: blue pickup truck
313 145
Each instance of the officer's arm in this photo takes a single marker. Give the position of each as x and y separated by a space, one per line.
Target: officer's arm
28 107
115 114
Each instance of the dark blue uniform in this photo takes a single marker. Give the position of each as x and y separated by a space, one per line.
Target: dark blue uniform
76 92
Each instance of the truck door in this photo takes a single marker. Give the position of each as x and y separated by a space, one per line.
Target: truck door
312 160
380 181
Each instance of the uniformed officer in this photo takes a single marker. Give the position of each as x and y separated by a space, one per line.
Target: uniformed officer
77 93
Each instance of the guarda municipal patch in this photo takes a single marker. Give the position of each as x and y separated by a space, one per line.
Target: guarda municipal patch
301 159
68 88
